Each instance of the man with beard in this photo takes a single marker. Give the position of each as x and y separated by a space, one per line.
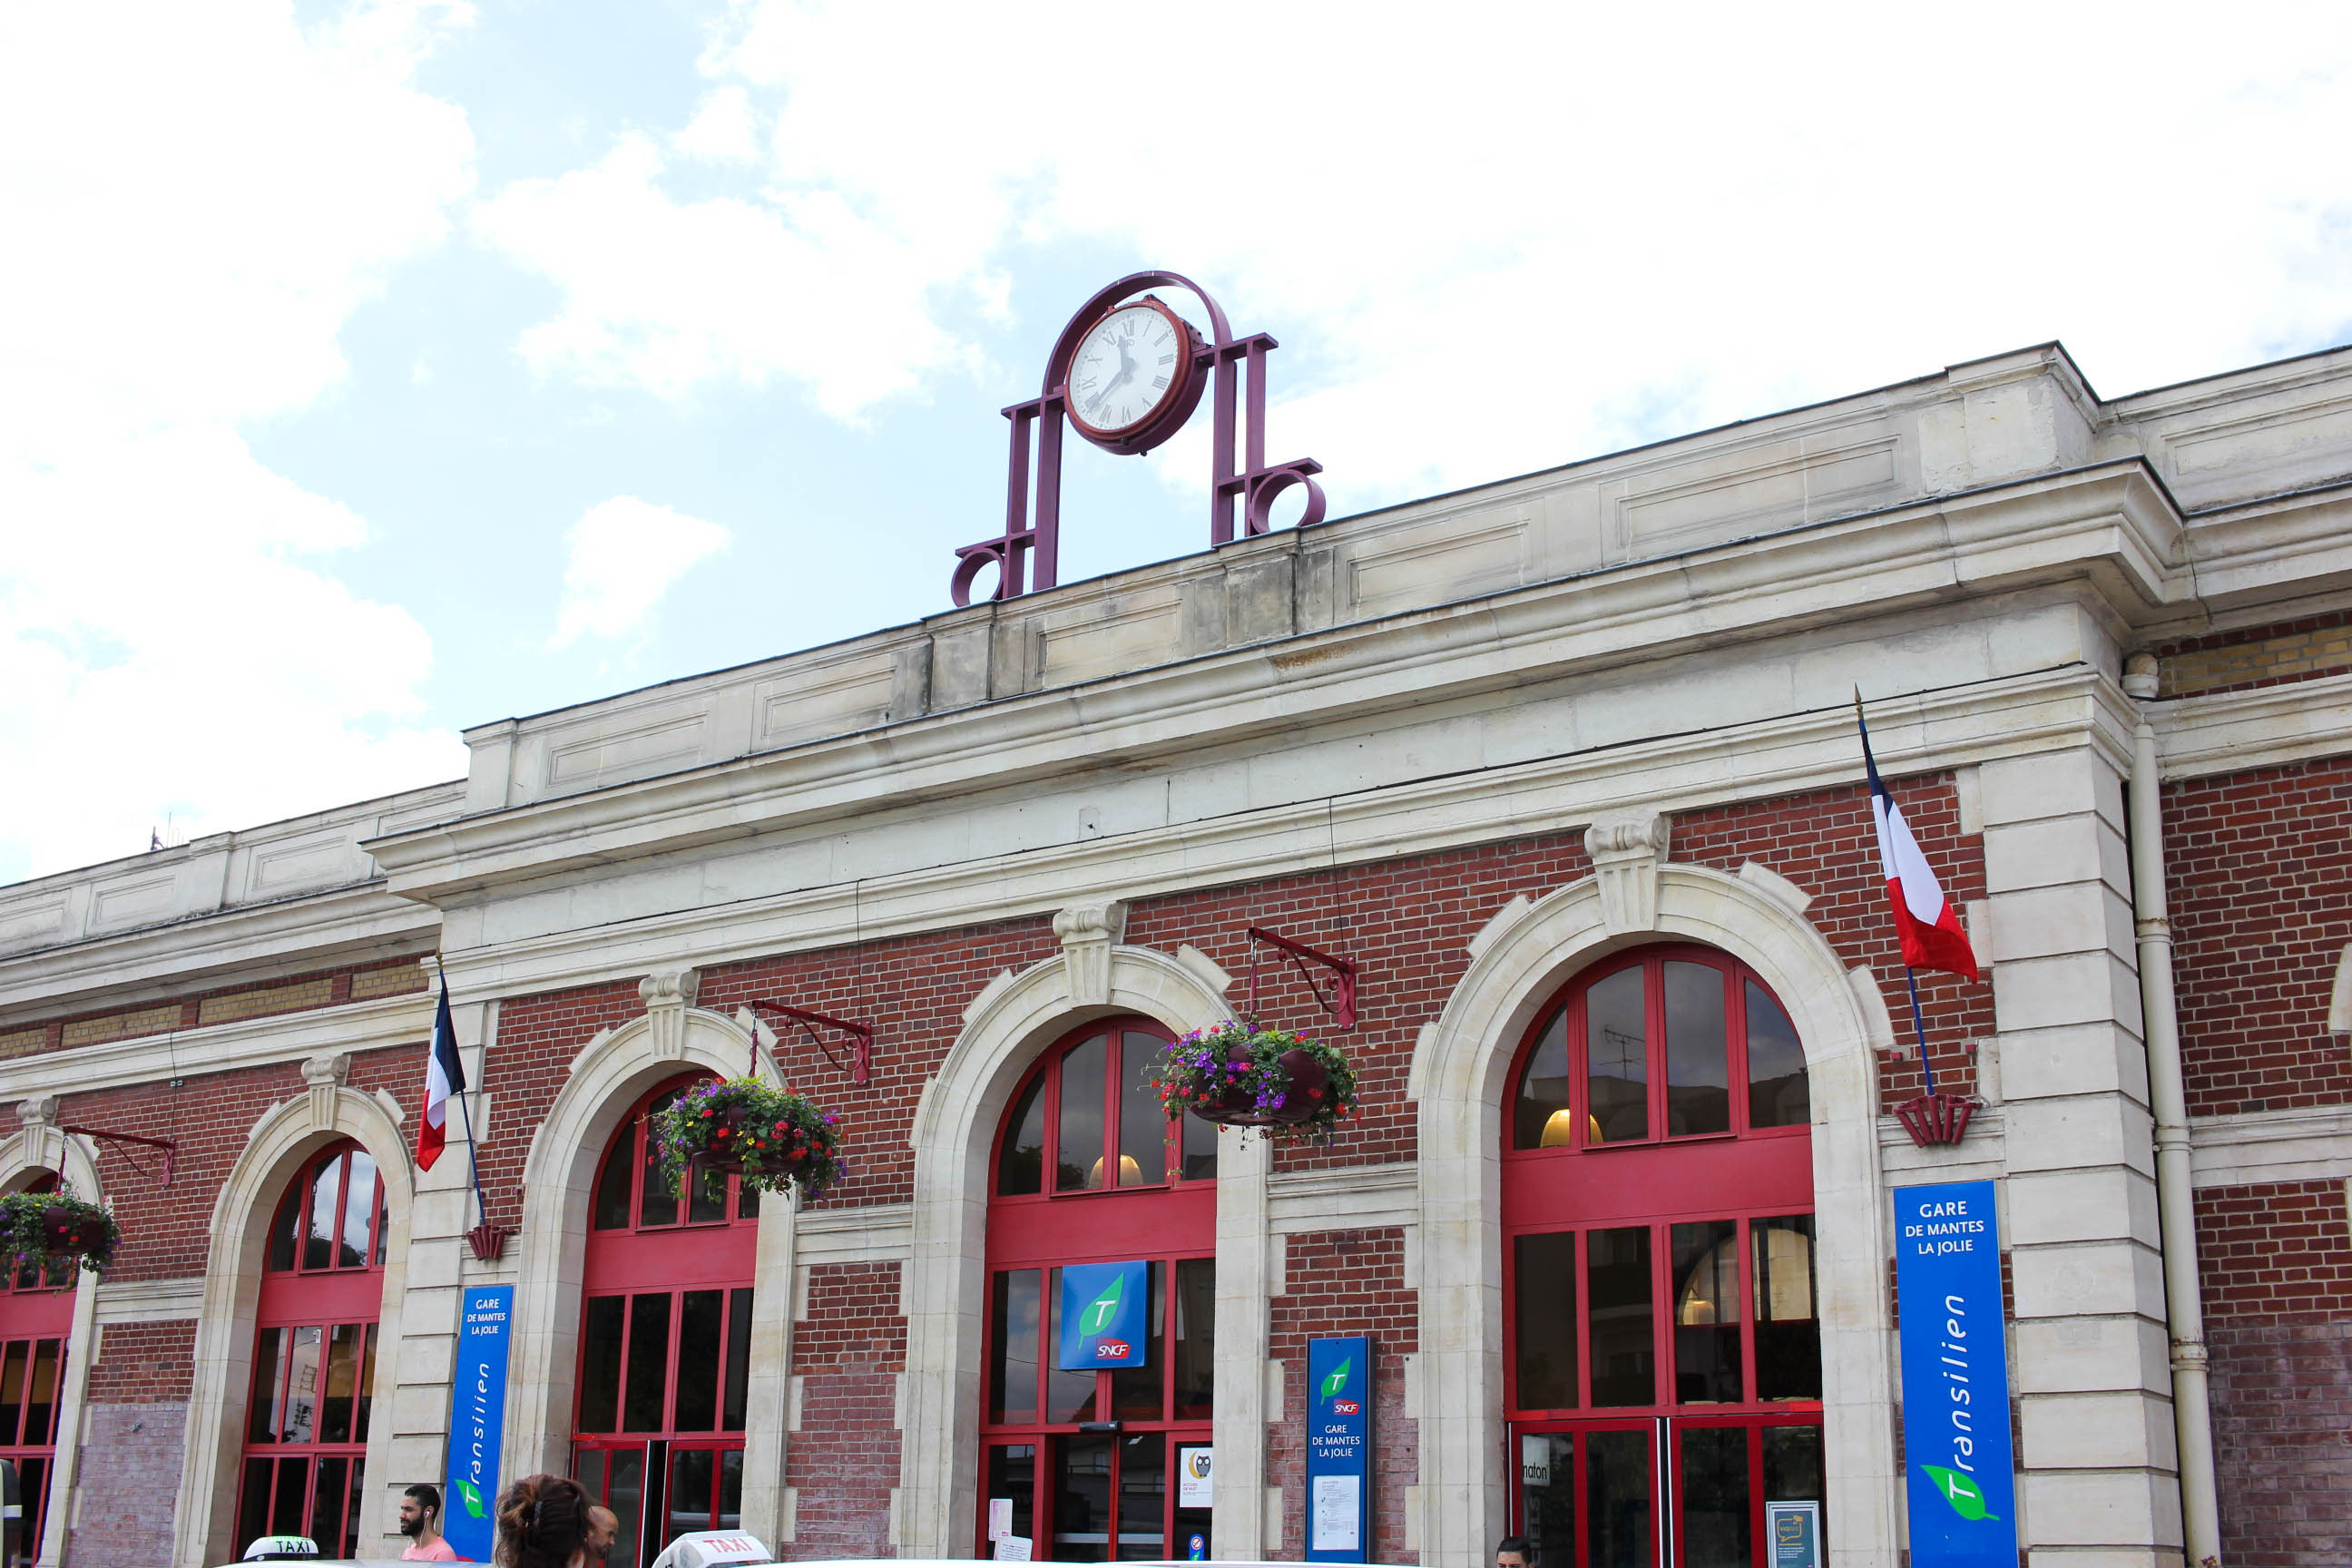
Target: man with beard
420 1521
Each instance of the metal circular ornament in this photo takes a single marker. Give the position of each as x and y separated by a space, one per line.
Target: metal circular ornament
1173 403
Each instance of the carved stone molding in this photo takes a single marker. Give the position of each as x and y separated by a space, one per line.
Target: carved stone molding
45 1144
324 1074
1089 933
668 994
1627 848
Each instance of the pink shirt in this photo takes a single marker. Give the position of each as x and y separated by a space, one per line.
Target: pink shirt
439 1551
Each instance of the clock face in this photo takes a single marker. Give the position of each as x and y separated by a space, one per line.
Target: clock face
1134 362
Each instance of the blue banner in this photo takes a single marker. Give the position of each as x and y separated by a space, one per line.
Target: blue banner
1106 1312
1961 1477
477 1421
1340 1450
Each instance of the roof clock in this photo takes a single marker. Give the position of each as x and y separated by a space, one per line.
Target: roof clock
1127 373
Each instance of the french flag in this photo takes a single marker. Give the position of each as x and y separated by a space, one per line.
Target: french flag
1924 918
444 1075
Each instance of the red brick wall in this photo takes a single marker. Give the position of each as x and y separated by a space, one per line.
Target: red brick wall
129 1486
2256 655
2259 877
844 1460
2277 1267
1344 1282
537 1039
143 1364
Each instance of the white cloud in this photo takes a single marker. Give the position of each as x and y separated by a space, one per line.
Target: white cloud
198 197
621 557
1524 235
723 129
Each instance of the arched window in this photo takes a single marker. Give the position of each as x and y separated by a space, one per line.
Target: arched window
35 1317
665 1344
1089 1170
1657 1218
314 1353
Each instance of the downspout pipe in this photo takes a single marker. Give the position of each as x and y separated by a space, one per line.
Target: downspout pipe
2192 1414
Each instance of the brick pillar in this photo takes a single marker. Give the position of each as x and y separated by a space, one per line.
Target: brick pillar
2096 1481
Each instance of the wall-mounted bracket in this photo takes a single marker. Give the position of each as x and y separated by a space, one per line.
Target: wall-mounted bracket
1336 996
169 1147
860 1066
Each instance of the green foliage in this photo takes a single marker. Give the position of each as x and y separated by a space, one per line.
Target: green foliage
91 1235
778 1139
1234 1073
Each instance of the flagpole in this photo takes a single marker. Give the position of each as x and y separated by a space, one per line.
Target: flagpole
1918 1030
465 1109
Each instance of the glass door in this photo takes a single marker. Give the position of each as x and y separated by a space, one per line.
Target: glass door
1588 1494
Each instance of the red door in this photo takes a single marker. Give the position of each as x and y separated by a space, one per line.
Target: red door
35 1317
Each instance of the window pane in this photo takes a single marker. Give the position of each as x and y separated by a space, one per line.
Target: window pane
1069 1395
731 1490
343 1383
359 1212
701 1331
747 1202
1135 1392
1713 1489
1617 1287
692 1472
1196 1338
625 1498
1013 1354
648 1363
1551 1523
612 1212
351 1508
1787 1328
326 1200
588 1469
1543 1315
1199 1144
1792 1464
327 1486
1143 1496
253 1505
1706 1313
1078 1160
600 1367
284 1234
41 1402
1617 1056
1698 1074
1082 1498
293 1493
656 1204
739 1360
301 1420
1778 1094
703 1206
1542 1119
366 1401
1617 1499
1142 1120
1012 1473
261 1418
1020 1166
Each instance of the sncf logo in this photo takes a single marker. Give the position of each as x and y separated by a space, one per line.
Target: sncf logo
1347 1407
1111 1349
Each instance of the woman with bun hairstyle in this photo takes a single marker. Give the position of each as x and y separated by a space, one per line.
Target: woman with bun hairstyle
543 1523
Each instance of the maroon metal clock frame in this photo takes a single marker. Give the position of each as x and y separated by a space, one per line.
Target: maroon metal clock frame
1175 406
1027 555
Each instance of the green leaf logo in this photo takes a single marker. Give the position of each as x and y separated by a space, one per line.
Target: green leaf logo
1966 1497
1103 1308
471 1496
1337 1378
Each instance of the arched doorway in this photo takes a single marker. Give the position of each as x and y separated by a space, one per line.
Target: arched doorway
1662 1343
665 1344
314 1354
1086 1171
36 1321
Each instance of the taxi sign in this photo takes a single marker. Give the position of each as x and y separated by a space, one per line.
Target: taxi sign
281 1548
709 1548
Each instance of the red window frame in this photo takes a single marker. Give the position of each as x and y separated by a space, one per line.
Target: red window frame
670 1255
1166 1223
35 1321
1742 1176
286 1483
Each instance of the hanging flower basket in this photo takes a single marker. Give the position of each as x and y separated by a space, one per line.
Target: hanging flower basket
56 1231
771 1137
1295 1089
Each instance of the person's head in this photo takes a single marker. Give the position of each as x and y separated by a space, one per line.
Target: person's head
1515 1551
420 1510
543 1523
604 1529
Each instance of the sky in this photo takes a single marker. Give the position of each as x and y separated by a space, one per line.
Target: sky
372 371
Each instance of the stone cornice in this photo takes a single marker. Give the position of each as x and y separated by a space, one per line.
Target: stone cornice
2020 715
2258 1147
2110 524
2262 726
